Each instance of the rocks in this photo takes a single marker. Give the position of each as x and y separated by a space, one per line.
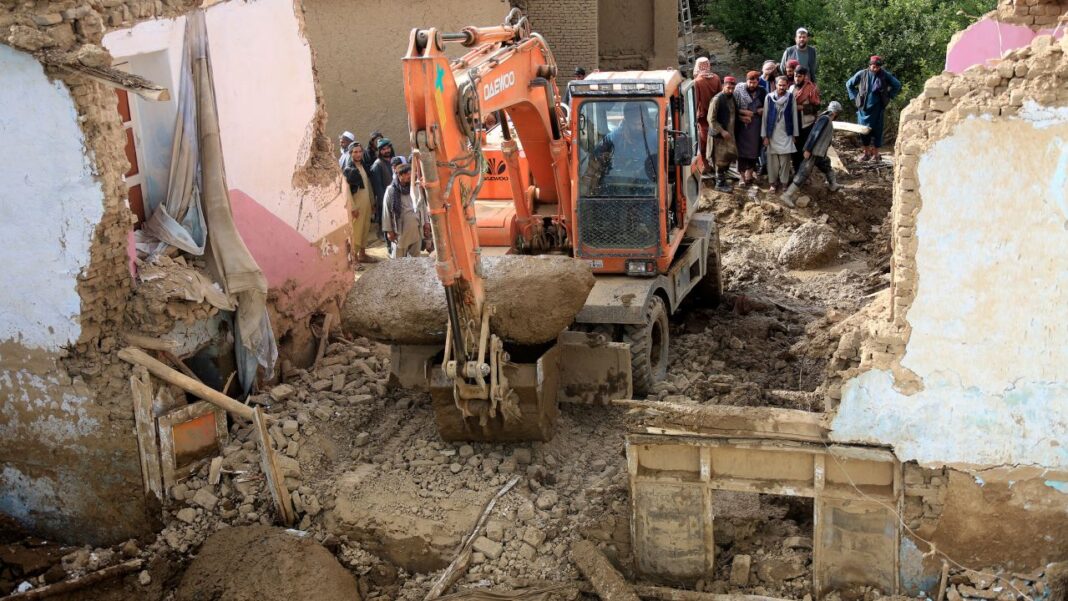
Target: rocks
402 301
187 515
546 500
811 245
797 542
144 578
282 392
487 547
775 570
205 499
740 570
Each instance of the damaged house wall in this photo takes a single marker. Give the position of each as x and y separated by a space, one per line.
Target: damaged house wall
66 453
964 375
69 465
285 190
358 50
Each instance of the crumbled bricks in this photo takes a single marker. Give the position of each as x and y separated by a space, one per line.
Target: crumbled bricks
1033 13
925 496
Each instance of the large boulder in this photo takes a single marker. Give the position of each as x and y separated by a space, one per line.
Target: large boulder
402 301
811 245
262 563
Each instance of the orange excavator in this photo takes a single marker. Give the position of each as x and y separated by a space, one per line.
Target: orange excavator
506 168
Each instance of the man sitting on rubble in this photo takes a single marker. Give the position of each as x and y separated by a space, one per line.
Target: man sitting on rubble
402 218
815 153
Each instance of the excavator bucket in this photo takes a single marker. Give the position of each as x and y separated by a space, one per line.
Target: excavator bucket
579 368
593 370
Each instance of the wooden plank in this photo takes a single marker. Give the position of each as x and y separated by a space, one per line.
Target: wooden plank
323 340
283 503
136 356
150 343
708 512
77 584
147 438
606 580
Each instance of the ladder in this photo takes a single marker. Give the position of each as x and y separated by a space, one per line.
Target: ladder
686 29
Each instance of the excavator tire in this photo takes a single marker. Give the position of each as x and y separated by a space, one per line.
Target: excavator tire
648 347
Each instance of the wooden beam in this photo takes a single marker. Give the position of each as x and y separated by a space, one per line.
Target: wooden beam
150 343
606 580
323 340
77 584
136 356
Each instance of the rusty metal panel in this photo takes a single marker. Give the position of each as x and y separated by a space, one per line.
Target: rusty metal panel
669 525
857 544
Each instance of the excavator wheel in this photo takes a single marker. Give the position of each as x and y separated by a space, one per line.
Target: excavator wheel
648 347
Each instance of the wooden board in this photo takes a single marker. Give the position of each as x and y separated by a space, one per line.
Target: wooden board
147 437
283 503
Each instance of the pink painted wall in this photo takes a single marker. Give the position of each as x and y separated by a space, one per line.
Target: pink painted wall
989 39
265 86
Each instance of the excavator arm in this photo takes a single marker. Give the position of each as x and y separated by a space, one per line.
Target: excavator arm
509 72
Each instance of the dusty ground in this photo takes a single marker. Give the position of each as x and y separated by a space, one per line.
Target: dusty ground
374 484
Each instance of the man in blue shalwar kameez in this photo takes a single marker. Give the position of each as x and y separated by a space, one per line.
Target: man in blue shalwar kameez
871 90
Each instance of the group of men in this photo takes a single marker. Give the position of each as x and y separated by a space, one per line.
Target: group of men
381 194
773 123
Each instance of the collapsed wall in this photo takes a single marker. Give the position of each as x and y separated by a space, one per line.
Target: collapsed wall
961 366
69 466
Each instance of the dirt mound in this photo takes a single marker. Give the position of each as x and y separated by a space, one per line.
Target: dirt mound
260 563
402 301
811 245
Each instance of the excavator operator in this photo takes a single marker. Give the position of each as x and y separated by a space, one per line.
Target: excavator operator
625 161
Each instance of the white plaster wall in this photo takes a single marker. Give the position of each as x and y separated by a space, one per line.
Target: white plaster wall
265 91
49 206
990 320
265 94
152 49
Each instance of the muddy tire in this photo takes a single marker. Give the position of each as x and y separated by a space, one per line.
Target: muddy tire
648 347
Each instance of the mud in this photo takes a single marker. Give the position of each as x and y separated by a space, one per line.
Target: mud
261 563
402 301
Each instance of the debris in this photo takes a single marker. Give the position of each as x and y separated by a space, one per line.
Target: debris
77 584
459 563
275 477
606 580
267 564
740 570
136 356
943 581
323 339
811 245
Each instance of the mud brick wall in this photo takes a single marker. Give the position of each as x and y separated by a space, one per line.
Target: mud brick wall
1036 13
570 28
959 366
